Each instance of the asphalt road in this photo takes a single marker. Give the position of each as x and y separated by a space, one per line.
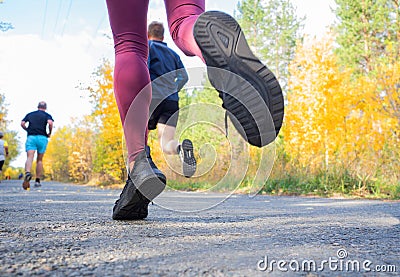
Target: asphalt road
67 230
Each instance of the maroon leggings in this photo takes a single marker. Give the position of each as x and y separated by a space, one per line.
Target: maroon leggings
128 19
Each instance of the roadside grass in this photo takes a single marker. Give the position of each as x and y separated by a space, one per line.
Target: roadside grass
323 185
332 186
339 183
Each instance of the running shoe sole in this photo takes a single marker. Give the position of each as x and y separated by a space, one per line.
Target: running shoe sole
225 51
153 186
26 185
189 163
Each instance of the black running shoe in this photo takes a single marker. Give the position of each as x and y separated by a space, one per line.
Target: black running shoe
187 157
150 160
131 204
26 185
143 185
251 89
37 183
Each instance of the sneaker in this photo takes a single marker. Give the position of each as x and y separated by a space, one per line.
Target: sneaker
131 204
246 86
26 185
143 185
150 160
186 154
37 184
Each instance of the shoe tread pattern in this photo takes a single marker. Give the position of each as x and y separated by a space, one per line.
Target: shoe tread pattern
189 163
239 59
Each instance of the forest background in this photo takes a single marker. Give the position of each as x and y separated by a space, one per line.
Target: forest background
341 130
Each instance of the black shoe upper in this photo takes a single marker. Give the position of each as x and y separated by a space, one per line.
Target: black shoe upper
143 185
189 163
28 176
145 168
131 204
152 164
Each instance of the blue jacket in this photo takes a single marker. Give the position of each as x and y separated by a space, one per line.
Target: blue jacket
167 73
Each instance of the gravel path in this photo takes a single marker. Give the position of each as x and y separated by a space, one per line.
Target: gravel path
67 230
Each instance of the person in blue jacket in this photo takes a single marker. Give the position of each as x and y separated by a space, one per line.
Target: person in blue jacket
168 76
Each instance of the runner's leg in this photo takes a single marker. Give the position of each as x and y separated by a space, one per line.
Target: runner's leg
182 15
128 21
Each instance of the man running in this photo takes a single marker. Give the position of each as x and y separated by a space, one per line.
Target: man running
37 139
168 76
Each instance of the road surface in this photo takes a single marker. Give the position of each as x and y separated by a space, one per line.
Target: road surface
67 230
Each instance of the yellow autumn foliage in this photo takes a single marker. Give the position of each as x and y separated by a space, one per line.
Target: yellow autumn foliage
335 120
316 111
109 159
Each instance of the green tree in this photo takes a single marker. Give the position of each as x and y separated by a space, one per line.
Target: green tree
368 31
251 15
5 26
369 42
272 29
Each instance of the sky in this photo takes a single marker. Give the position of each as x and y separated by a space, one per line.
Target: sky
56 45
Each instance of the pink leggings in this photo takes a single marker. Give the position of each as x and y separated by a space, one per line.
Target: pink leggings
128 19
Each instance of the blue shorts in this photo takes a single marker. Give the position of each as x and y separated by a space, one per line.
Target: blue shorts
37 143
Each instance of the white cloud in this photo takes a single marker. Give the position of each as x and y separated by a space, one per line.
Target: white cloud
318 15
32 69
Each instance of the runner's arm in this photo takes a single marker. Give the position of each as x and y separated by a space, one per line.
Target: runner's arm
50 122
23 125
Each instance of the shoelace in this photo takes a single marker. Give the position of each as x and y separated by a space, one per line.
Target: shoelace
122 191
226 124
226 113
